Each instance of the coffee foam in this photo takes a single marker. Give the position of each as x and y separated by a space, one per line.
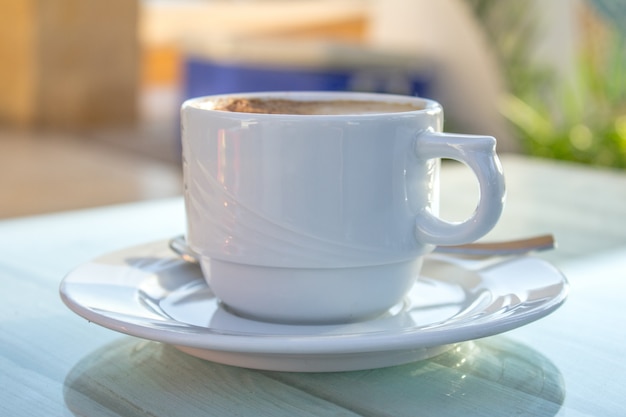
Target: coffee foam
316 107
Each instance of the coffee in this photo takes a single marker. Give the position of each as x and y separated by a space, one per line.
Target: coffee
319 107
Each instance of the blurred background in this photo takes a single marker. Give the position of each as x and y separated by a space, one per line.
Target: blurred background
90 90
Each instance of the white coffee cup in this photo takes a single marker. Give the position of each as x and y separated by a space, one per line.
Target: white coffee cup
324 218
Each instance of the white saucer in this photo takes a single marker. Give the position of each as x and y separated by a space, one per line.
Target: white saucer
148 292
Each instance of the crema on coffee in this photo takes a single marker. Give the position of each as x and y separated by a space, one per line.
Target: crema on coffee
317 107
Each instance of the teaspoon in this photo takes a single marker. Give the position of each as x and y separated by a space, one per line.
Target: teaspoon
476 249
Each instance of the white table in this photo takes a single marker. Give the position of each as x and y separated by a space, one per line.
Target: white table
570 363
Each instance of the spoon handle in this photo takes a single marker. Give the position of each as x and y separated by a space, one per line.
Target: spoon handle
501 248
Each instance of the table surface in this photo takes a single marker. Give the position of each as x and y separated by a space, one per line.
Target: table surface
55 363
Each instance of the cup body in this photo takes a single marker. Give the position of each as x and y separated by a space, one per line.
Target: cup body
309 218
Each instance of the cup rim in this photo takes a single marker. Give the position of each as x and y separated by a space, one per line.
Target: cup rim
204 103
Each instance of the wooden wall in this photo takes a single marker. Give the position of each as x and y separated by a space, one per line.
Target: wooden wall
68 63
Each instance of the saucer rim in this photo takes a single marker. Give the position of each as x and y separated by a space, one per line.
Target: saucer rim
205 338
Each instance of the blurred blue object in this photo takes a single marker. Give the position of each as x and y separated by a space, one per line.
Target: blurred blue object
206 77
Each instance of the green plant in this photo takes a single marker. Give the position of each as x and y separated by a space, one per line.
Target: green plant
584 120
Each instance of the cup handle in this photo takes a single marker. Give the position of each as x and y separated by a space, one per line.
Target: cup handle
479 154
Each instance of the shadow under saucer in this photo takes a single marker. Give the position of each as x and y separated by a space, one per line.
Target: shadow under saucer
491 376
